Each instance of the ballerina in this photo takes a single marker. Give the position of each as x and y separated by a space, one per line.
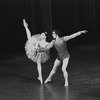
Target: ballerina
63 55
34 48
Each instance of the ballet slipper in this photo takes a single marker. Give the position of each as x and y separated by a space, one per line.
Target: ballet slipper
40 79
47 80
66 83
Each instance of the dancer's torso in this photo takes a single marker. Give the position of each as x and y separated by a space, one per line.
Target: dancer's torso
61 49
35 50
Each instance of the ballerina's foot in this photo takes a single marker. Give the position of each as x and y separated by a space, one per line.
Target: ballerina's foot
47 80
66 84
40 79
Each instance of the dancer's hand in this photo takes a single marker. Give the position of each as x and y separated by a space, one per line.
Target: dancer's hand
24 23
84 31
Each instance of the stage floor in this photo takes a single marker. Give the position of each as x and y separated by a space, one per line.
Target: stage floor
18 77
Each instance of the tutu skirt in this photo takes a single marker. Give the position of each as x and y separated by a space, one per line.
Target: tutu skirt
36 54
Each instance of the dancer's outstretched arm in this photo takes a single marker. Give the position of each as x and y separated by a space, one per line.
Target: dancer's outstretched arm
66 38
27 30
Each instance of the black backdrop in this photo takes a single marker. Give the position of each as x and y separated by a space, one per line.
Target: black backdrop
69 16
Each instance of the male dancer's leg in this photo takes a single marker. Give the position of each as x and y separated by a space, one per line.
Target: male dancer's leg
64 66
53 71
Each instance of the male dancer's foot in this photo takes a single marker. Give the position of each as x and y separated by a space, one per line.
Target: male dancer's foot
40 79
47 80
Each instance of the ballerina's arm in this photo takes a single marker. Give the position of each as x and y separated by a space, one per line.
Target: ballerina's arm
66 38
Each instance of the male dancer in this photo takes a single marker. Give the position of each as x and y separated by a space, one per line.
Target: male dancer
63 55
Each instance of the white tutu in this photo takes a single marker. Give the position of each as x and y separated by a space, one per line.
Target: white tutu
35 52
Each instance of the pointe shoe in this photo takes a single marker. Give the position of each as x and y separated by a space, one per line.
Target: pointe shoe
40 79
47 80
66 84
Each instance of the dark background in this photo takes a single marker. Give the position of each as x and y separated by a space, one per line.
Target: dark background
18 74
69 16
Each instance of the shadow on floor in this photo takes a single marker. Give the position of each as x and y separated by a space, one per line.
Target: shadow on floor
18 78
